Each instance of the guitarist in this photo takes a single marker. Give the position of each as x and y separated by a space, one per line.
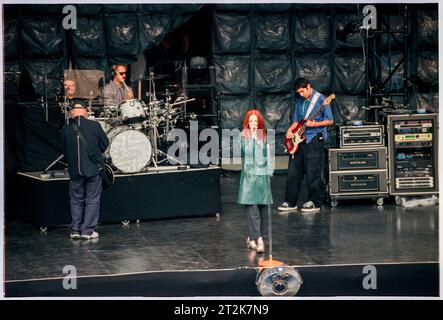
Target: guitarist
307 162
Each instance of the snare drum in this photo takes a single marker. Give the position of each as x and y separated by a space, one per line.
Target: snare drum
132 111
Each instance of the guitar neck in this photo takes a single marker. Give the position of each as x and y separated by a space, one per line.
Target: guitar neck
303 128
304 120
317 112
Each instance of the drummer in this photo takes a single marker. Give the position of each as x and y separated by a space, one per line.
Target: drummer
116 91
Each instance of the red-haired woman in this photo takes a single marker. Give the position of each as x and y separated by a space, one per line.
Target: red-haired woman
255 192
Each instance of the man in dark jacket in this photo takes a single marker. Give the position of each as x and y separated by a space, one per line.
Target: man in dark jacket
85 184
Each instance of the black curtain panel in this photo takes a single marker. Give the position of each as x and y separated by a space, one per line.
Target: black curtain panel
257 51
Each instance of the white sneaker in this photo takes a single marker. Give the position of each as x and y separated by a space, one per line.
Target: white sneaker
251 244
310 207
286 207
93 235
260 245
75 235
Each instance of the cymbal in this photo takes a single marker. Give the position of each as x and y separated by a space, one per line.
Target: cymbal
158 76
174 87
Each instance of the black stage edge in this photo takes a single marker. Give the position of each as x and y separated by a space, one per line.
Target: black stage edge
412 279
143 196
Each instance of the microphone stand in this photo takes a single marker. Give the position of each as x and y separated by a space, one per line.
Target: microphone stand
54 162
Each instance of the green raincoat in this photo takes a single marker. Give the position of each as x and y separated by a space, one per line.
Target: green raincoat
254 178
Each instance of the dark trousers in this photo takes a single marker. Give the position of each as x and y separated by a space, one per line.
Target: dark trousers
257 218
306 163
84 197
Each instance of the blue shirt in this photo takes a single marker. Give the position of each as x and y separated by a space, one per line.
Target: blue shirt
302 107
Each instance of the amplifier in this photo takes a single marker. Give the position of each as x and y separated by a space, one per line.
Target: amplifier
413 140
414 182
358 182
414 168
361 136
413 126
357 158
413 137
413 153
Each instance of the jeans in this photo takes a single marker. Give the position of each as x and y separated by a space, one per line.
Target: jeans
256 216
84 197
307 163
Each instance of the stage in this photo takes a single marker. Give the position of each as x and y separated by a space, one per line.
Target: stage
157 194
207 256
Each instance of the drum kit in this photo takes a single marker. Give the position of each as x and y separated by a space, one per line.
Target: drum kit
136 128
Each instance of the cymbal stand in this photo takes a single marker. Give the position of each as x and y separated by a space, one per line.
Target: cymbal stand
64 107
184 83
157 152
152 96
153 124
152 113
153 121
168 110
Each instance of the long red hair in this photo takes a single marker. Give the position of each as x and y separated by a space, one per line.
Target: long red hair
261 125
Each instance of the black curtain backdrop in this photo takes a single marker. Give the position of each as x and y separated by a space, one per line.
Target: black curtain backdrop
258 49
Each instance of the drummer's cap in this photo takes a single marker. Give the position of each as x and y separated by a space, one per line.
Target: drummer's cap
78 104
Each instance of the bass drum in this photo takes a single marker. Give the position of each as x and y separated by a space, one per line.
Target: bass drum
129 150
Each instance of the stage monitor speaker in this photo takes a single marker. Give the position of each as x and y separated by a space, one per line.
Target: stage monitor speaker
201 76
204 103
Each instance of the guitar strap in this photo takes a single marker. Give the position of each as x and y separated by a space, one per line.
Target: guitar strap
312 104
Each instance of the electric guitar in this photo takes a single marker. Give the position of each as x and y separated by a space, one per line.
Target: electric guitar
292 145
